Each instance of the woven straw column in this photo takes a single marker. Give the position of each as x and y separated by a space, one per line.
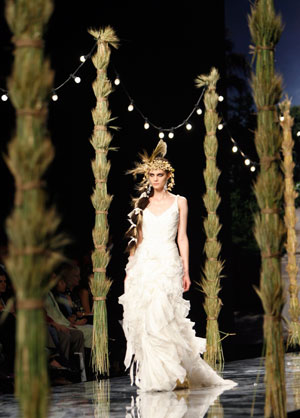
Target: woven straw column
265 27
213 265
31 227
100 140
290 221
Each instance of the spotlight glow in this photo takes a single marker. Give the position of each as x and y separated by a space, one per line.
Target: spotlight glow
220 126
253 168
130 107
77 80
188 126
4 97
171 135
220 98
298 133
82 58
146 125
281 118
54 97
199 111
234 148
117 81
247 161
161 135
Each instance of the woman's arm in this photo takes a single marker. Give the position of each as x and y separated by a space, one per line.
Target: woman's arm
183 242
85 301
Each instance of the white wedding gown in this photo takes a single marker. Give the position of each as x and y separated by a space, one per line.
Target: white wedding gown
161 342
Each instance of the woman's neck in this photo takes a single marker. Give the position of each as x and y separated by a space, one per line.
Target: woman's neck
160 194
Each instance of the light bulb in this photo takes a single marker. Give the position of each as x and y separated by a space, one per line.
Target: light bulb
171 135
4 97
220 98
253 168
234 148
188 126
77 80
130 107
146 125
199 111
220 126
247 161
281 118
54 97
298 133
161 135
82 58
117 81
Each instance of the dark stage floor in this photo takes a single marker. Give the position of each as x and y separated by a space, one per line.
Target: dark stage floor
116 398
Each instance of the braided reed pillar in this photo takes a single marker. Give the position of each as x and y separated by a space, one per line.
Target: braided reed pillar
265 27
213 265
100 140
290 221
31 227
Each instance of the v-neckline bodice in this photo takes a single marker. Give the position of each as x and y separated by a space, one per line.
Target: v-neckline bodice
166 210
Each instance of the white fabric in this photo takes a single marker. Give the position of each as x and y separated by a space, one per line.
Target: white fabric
159 335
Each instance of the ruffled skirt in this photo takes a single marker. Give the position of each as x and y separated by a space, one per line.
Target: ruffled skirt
162 346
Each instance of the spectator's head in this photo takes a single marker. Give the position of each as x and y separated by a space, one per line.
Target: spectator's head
71 275
3 279
61 286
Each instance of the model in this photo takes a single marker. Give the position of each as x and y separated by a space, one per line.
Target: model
163 352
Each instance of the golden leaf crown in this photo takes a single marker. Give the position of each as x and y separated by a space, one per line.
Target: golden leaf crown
155 161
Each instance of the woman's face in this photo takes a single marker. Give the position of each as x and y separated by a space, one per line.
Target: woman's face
75 276
2 284
61 286
158 179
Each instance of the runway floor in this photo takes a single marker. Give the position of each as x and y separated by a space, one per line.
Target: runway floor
116 398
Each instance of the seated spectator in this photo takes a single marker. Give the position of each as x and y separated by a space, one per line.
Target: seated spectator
86 296
78 292
66 305
60 320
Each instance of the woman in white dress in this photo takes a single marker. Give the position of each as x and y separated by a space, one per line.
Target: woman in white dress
163 352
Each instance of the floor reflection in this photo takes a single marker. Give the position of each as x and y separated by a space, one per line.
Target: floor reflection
115 398
177 404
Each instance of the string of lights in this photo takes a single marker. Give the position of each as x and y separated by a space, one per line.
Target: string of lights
236 149
162 131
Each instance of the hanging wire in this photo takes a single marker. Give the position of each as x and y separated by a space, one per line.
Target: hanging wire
147 122
72 75
160 128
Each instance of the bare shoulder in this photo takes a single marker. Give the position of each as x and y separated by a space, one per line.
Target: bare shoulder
182 202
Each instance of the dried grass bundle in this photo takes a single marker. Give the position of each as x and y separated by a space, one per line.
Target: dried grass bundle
210 283
32 226
100 140
266 28
290 221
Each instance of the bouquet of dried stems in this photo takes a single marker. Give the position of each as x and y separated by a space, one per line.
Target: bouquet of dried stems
266 27
34 245
290 220
210 283
101 200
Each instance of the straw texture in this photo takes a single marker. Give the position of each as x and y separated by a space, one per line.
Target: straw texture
210 283
101 200
290 221
265 27
31 227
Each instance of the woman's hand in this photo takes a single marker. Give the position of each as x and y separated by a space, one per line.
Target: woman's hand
186 282
82 321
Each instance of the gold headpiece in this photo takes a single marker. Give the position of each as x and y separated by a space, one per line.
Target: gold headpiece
155 161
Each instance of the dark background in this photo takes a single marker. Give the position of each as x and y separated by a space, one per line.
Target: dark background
163 47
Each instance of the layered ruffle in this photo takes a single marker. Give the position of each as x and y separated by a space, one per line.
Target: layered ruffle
162 345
